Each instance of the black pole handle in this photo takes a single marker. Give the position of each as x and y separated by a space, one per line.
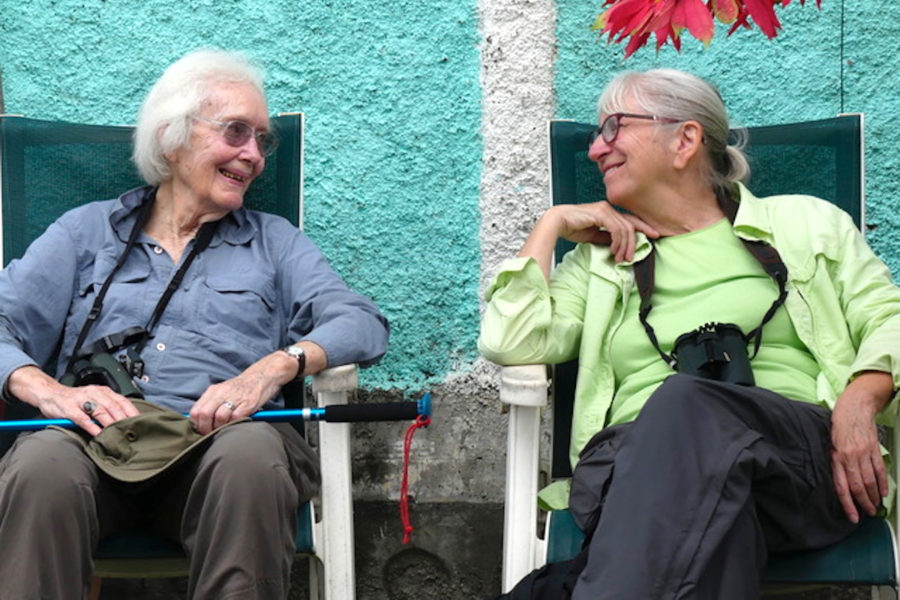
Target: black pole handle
383 411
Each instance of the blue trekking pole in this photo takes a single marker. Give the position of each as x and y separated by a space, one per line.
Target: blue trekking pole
335 413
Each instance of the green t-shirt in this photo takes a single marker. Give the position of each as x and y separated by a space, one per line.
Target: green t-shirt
707 276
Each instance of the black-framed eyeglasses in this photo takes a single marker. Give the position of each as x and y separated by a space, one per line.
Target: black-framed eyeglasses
237 133
609 128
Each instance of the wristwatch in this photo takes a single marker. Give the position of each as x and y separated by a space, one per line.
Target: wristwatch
298 353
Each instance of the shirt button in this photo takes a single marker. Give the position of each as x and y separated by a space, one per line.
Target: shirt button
158 249
145 378
160 346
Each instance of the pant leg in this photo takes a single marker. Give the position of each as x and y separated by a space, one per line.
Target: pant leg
736 565
237 504
684 475
48 518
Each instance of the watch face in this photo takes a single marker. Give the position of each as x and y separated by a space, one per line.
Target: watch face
297 352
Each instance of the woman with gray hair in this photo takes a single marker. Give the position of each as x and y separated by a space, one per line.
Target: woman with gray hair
206 308
734 353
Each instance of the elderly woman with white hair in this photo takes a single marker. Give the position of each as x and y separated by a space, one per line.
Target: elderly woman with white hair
734 354
222 305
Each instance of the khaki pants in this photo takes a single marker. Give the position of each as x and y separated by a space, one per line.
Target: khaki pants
233 507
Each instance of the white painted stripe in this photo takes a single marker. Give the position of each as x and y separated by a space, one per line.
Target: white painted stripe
517 52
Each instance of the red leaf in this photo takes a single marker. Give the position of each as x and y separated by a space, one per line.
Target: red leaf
726 11
626 16
663 15
664 34
694 15
636 41
763 14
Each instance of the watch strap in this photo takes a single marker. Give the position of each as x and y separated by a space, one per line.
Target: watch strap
297 353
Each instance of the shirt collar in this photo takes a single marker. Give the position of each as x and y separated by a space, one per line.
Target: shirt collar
642 248
752 219
236 229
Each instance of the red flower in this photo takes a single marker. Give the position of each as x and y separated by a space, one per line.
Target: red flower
666 19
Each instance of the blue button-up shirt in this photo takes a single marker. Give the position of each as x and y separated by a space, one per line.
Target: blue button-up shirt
260 285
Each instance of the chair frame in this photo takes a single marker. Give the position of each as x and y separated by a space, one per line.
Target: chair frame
525 391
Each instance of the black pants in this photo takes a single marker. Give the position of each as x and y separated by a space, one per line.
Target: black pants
708 480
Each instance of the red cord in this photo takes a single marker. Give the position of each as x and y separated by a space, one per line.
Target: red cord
421 421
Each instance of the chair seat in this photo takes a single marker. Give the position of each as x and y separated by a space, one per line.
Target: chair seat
144 554
866 556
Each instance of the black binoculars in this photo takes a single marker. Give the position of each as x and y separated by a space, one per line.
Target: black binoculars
101 368
714 351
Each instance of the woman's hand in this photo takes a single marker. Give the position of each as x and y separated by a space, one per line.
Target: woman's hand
860 478
600 223
56 401
596 223
245 394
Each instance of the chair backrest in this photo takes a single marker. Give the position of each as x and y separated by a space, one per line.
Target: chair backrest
48 167
821 158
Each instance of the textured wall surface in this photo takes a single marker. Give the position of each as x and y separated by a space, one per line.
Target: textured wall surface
393 156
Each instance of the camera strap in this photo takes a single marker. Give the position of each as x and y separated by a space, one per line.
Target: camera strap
136 336
768 257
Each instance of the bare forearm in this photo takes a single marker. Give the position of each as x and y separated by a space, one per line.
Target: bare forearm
31 385
870 392
542 241
281 368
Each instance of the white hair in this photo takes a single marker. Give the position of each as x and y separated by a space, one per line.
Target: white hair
164 120
686 97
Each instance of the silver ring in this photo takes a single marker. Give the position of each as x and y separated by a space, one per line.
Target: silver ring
88 407
228 404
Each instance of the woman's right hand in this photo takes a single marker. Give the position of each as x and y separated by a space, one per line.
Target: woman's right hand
596 223
56 401
600 223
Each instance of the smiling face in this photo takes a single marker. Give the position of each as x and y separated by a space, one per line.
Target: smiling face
212 173
635 162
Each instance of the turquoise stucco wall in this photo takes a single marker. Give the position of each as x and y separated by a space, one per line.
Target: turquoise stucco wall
393 153
841 58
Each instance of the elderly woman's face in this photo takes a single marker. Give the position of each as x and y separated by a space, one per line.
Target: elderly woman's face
636 156
214 168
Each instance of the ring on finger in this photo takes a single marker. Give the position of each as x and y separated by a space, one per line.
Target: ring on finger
228 404
88 407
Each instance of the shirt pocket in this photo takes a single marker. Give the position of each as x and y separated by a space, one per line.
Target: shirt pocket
242 304
125 302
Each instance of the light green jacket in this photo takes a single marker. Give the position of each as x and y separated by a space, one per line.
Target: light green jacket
840 299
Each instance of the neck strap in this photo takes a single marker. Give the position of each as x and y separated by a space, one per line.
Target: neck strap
136 335
768 257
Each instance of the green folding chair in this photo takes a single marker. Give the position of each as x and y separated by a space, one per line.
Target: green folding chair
822 158
47 168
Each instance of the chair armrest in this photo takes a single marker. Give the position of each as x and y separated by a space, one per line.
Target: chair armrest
524 385
333 386
524 389
342 378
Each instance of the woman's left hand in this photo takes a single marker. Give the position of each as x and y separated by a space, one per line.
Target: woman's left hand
245 394
232 399
860 478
